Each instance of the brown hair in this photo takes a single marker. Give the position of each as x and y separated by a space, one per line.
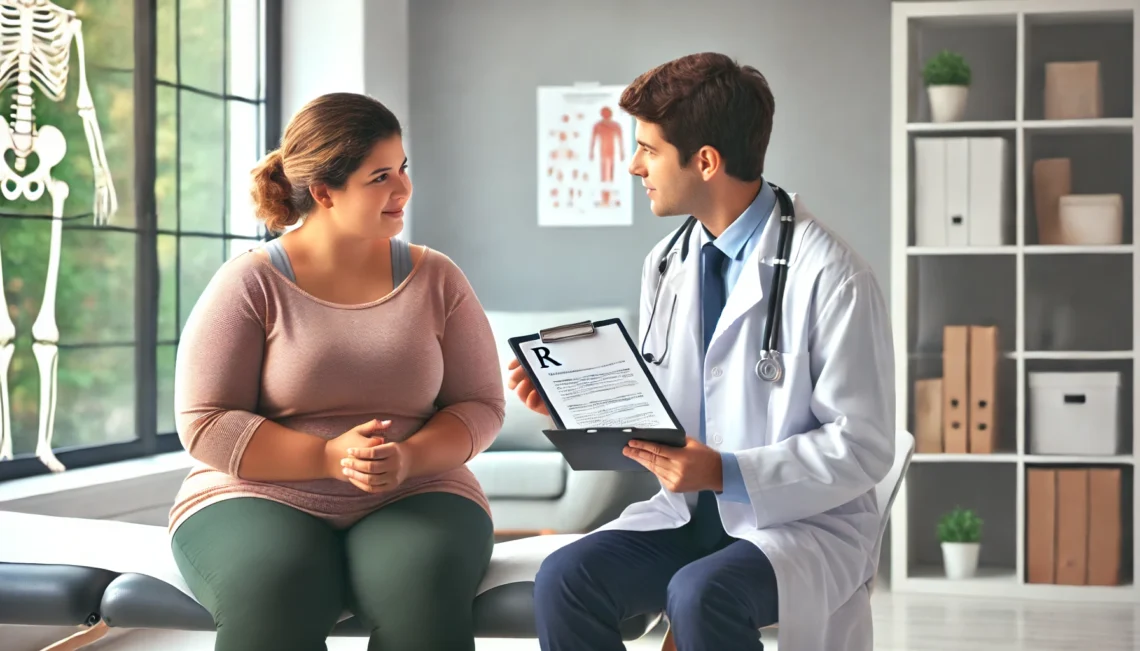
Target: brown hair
325 142
708 99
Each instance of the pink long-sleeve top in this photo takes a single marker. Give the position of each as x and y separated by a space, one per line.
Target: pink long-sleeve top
256 346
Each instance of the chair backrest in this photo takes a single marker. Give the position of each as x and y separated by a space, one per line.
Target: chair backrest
888 487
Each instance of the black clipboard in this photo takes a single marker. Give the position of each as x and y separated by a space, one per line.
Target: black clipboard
596 448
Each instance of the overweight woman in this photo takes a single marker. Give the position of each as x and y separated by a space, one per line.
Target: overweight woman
332 386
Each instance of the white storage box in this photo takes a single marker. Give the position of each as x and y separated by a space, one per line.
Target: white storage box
1074 413
1091 219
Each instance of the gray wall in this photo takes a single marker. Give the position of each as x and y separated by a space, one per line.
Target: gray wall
474 69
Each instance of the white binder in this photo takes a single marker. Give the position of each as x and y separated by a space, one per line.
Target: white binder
930 192
989 204
962 191
957 192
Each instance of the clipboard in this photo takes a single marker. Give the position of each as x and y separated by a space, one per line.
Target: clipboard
596 448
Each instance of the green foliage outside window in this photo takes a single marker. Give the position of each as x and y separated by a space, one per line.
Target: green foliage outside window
95 308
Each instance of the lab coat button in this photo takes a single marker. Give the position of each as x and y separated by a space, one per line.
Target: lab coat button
716 439
716 372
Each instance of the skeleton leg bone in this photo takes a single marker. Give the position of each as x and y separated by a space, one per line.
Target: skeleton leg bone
7 328
7 348
45 332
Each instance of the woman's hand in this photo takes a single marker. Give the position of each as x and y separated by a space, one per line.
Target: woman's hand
379 468
521 385
363 436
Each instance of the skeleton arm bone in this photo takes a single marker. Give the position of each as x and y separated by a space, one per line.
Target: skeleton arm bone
106 203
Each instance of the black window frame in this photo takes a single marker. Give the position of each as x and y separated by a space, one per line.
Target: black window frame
149 441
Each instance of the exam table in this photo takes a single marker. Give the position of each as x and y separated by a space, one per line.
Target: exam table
105 574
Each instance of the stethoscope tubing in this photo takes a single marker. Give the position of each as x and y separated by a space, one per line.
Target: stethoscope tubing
775 303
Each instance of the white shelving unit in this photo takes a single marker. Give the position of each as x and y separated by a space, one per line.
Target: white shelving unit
1021 287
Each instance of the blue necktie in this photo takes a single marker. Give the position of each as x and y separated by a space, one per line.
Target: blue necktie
706 518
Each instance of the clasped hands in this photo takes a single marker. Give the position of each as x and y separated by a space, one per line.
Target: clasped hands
362 457
693 467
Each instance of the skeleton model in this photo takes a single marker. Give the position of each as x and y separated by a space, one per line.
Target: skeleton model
35 50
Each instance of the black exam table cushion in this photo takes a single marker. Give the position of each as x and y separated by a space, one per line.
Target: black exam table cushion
139 601
51 595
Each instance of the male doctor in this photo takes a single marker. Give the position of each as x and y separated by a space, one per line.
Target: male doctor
768 513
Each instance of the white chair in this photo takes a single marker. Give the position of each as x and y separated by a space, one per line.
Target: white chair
885 492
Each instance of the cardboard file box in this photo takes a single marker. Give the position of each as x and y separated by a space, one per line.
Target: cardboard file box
1074 525
1074 413
1091 219
1073 90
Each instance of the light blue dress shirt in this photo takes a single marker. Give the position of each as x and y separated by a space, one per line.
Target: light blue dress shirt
737 242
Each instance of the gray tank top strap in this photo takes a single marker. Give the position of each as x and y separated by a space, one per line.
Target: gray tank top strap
401 261
280 259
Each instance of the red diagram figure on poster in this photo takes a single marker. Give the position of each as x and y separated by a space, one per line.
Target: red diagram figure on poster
608 131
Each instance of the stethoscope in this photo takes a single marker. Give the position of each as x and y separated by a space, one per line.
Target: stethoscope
769 368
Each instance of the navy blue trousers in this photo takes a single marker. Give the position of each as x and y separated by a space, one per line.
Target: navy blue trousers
716 595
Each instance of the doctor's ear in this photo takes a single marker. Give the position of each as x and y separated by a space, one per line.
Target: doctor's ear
320 194
708 162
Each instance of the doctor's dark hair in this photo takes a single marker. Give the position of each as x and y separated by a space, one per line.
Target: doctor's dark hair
324 142
708 99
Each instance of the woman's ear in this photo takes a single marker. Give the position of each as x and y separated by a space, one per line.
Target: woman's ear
320 194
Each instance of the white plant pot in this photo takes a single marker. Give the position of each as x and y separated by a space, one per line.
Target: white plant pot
960 559
947 103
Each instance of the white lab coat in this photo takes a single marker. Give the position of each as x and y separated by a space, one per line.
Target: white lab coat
812 447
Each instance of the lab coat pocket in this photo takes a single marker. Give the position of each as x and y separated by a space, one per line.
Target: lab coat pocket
788 399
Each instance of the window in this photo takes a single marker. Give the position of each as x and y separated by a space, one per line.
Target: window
179 153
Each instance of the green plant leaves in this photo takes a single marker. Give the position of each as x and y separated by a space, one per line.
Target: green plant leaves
946 69
960 525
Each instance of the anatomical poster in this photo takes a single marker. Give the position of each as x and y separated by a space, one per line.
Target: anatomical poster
584 144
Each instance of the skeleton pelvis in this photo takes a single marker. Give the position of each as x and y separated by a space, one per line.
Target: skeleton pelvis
48 145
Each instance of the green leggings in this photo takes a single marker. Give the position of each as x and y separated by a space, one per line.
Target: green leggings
275 578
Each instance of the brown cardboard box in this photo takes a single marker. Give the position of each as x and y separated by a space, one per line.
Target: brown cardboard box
1074 526
1073 90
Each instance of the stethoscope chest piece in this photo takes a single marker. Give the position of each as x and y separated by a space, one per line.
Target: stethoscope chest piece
769 367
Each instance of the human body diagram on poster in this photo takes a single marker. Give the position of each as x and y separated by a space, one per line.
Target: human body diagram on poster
584 139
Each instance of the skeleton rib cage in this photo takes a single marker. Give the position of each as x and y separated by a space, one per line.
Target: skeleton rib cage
35 47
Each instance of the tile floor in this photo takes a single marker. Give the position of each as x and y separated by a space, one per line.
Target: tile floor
902 623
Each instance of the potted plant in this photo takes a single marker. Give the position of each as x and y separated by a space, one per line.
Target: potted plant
947 79
960 532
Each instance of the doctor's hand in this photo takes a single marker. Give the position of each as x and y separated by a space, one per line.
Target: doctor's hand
521 385
694 467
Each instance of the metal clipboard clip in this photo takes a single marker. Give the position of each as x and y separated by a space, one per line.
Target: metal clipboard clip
568 331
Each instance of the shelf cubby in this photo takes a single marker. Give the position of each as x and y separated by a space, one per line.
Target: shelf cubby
989 489
1079 530
1100 160
1078 303
991 38
1105 37
944 290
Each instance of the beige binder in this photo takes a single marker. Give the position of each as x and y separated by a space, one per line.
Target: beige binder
1105 526
1040 525
1052 179
955 385
1072 526
928 416
983 373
